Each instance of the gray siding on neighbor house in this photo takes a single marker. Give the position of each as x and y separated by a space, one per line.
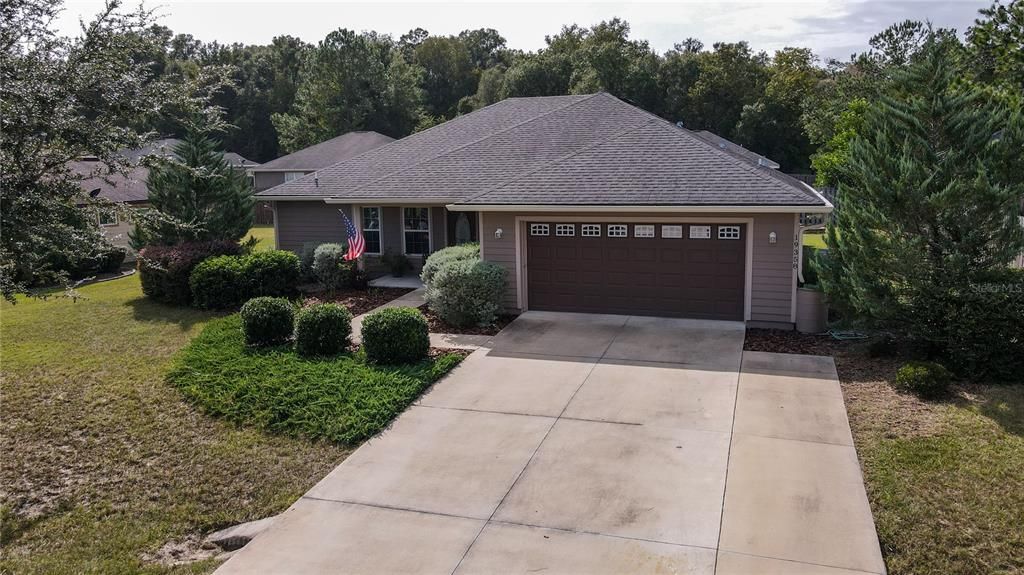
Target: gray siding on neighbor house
266 180
771 271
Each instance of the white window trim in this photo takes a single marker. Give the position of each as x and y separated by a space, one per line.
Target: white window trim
592 227
571 229
295 174
430 225
99 221
625 231
547 230
651 226
690 236
379 230
677 227
729 229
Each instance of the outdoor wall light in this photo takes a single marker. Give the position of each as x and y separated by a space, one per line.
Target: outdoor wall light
497 233
773 237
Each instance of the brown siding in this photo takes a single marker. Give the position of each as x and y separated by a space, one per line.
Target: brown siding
772 264
301 222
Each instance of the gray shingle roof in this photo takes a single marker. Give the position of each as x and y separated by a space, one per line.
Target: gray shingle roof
329 152
113 187
561 150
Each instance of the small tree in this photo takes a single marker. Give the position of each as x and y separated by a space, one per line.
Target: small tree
930 200
198 188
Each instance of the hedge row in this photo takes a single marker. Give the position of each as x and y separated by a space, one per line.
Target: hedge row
226 281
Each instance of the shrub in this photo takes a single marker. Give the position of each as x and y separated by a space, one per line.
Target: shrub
271 273
398 264
306 261
217 283
110 260
924 378
396 335
467 292
164 271
322 329
330 267
267 320
440 258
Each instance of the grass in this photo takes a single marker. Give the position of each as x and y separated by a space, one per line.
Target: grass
105 468
815 240
943 477
264 236
343 399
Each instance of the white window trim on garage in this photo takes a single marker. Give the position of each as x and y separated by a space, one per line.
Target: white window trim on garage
522 234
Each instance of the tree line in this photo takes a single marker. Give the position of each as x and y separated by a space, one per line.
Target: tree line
290 94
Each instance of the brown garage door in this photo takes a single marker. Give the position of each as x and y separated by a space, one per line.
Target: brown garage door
674 270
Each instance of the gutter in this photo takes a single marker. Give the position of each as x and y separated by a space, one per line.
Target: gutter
817 209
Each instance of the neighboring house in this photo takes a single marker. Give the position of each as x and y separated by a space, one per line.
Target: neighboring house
590 203
131 189
309 160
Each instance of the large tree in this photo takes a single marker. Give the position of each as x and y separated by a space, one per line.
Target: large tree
448 74
199 195
929 214
62 99
349 82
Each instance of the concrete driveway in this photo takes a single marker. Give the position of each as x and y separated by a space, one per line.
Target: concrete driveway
597 444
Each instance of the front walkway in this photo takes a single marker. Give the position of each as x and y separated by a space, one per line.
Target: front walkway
597 444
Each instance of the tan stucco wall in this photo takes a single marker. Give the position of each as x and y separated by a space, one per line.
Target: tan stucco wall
772 265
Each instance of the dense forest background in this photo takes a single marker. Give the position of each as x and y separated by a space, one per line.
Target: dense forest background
789 106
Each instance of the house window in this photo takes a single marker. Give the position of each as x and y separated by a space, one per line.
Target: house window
591 230
700 232
644 231
371 229
289 176
565 229
728 232
618 230
538 229
416 228
107 217
671 231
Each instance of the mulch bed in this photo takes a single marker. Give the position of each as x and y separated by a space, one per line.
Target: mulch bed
852 360
358 301
436 352
438 325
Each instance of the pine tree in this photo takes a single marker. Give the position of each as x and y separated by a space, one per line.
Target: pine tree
197 194
929 203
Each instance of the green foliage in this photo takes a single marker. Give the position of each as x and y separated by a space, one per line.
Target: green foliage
342 399
267 320
396 335
306 261
330 267
830 161
924 378
995 44
351 82
165 270
216 283
396 263
467 292
197 186
271 273
442 257
447 74
929 208
62 99
322 329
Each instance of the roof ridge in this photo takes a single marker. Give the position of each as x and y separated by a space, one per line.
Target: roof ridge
561 158
471 143
774 176
311 146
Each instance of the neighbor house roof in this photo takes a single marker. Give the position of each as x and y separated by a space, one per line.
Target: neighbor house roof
166 146
113 187
326 153
559 150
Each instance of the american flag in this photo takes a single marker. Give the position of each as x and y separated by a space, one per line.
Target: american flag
356 243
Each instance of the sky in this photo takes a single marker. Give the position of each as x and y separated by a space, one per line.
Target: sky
832 28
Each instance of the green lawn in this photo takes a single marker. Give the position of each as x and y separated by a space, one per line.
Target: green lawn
103 461
944 478
264 235
342 399
815 240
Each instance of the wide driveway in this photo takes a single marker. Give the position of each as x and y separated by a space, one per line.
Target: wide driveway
597 444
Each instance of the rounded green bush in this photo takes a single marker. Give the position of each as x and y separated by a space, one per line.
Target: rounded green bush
216 282
322 329
467 292
330 267
271 273
396 335
924 378
442 257
267 320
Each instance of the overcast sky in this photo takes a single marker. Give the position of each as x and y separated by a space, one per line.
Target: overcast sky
832 28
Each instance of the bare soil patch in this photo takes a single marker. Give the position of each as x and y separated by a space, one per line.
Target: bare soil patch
438 325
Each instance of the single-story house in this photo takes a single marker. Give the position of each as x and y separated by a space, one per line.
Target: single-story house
129 189
590 203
